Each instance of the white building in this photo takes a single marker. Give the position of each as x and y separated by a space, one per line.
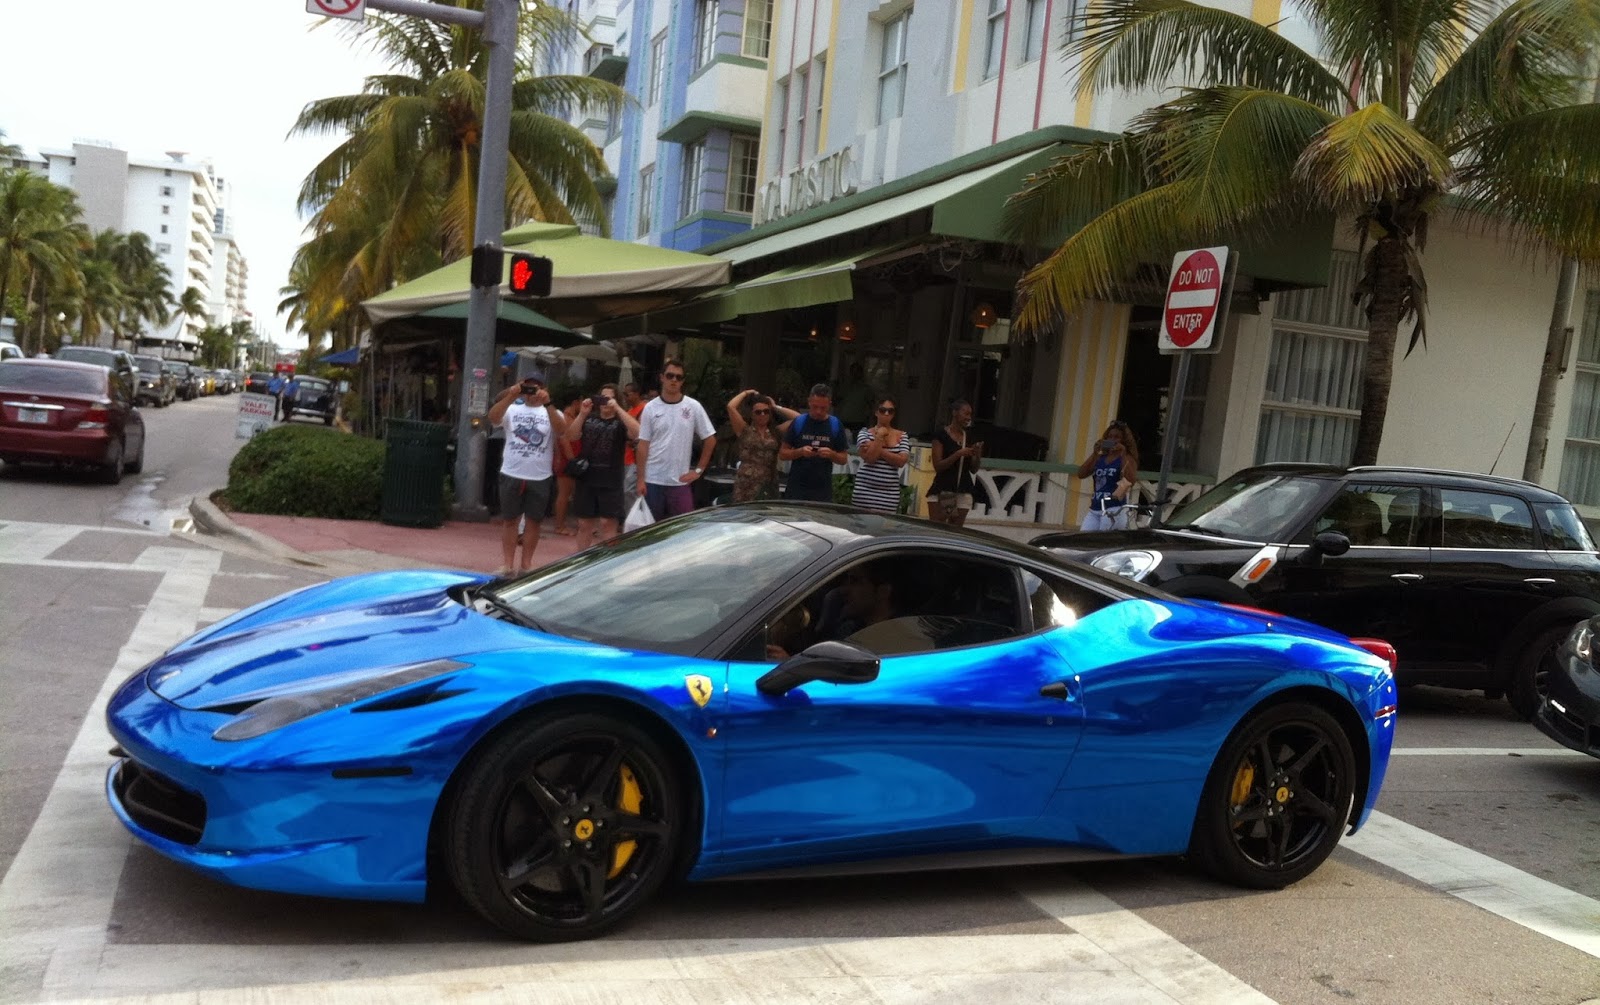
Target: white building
173 201
230 272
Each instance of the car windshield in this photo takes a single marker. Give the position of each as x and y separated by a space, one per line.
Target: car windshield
147 365
51 379
667 588
313 384
177 368
1252 505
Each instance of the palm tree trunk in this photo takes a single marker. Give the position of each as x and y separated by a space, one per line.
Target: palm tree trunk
1555 344
1390 282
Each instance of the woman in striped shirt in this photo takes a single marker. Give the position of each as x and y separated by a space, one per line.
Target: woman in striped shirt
884 451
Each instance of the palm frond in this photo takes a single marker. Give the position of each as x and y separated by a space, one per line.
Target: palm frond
1370 155
1138 44
1539 174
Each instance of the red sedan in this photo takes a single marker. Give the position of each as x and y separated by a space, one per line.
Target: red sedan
56 412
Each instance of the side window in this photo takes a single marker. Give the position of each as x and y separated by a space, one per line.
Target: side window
1374 516
1563 530
1059 603
899 606
1485 520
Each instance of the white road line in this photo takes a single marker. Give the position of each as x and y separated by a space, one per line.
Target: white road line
56 898
80 528
1487 752
1168 964
28 544
1527 900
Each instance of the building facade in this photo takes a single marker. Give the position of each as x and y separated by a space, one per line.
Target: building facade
174 201
888 135
230 272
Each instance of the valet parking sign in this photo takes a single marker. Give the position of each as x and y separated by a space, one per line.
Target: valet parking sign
1196 295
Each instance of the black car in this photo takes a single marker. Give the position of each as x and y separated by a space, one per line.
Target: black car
315 398
156 386
257 383
184 379
1477 580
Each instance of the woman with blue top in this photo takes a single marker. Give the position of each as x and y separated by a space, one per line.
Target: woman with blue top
1114 466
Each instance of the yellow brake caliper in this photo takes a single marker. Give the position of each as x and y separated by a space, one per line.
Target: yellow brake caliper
1241 784
629 799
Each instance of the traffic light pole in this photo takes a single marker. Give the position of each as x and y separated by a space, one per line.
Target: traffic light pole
498 23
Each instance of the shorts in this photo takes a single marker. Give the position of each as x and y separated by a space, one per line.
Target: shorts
952 500
520 497
1115 518
597 497
668 500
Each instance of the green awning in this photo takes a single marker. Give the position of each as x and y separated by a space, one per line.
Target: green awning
824 282
695 123
514 325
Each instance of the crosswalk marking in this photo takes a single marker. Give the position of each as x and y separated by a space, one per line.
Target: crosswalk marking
1551 751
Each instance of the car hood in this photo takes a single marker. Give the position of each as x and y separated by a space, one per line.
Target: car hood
1086 546
330 632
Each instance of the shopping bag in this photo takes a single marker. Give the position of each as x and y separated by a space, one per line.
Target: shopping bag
639 515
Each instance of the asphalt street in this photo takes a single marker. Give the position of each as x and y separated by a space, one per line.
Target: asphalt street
1479 880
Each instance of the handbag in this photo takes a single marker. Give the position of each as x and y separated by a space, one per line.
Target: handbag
577 467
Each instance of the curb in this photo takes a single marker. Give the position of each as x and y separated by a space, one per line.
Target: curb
209 519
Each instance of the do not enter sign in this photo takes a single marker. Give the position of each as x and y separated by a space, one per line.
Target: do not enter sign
1194 299
350 10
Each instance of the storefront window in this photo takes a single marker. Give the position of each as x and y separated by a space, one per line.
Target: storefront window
1312 402
892 69
1580 462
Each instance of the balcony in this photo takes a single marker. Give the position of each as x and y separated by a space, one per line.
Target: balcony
603 63
721 95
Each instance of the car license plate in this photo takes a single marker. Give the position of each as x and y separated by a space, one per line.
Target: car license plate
38 415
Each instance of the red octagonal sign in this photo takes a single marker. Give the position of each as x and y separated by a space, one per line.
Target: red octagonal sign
350 10
1194 295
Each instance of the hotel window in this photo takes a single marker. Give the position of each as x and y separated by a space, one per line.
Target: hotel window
1580 462
1312 400
783 123
819 73
694 162
757 28
166 190
658 68
892 69
996 40
166 210
163 228
1033 45
742 167
705 32
647 191
802 99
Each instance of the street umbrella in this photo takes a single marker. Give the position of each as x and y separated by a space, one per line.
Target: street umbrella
514 325
594 352
595 278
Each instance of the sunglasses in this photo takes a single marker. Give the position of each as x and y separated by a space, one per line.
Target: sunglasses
761 411
672 376
885 411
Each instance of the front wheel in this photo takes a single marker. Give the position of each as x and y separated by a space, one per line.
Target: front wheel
1530 677
563 828
1278 798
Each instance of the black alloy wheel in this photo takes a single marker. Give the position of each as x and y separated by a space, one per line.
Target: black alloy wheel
1530 678
1278 798
561 830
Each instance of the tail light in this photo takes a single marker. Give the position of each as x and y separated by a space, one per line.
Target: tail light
95 418
1380 649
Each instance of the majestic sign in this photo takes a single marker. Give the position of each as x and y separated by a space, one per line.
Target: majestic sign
1194 298
822 180
350 10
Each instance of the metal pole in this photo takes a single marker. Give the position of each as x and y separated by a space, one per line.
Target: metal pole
1169 442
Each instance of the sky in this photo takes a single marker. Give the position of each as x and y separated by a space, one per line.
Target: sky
223 83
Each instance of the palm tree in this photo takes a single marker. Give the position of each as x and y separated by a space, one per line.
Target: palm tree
1476 100
99 303
404 183
39 232
192 303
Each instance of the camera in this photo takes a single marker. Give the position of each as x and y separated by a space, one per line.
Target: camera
1107 445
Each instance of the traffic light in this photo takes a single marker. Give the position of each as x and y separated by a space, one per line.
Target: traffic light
530 276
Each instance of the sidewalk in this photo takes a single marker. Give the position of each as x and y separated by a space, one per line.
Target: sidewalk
349 546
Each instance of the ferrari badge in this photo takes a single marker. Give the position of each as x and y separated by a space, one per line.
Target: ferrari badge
699 687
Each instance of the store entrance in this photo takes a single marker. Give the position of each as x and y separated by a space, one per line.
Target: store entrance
1146 399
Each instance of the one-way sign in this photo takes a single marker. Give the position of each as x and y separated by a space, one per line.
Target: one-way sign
350 10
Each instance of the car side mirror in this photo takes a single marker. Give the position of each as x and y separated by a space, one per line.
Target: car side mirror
1329 542
828 662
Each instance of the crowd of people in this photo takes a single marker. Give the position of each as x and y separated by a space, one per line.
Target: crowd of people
593 458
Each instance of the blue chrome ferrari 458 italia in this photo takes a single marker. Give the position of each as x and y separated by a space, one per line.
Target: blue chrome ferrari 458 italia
743 690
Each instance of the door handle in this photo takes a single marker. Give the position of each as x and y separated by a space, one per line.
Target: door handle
1407 577
1540 581
1057 689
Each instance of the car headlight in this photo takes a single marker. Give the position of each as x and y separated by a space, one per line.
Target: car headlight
1582 643
276 712
1134 565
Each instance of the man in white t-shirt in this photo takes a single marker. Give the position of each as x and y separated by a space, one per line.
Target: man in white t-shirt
527 475
667 430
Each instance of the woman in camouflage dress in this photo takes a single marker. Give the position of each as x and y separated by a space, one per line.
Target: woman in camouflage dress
757 476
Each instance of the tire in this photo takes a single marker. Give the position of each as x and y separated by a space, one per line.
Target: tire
111 471
1527 686
563 828
327 420
137 465
1278 797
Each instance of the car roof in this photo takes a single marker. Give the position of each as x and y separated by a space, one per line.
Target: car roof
55 364
1403 475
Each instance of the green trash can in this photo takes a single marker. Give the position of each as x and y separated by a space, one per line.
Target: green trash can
414 466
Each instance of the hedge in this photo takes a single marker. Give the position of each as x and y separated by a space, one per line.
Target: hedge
298 470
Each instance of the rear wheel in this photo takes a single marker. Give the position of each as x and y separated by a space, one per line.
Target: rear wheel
564 828
111 471
1277 799
1530 678
136 466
